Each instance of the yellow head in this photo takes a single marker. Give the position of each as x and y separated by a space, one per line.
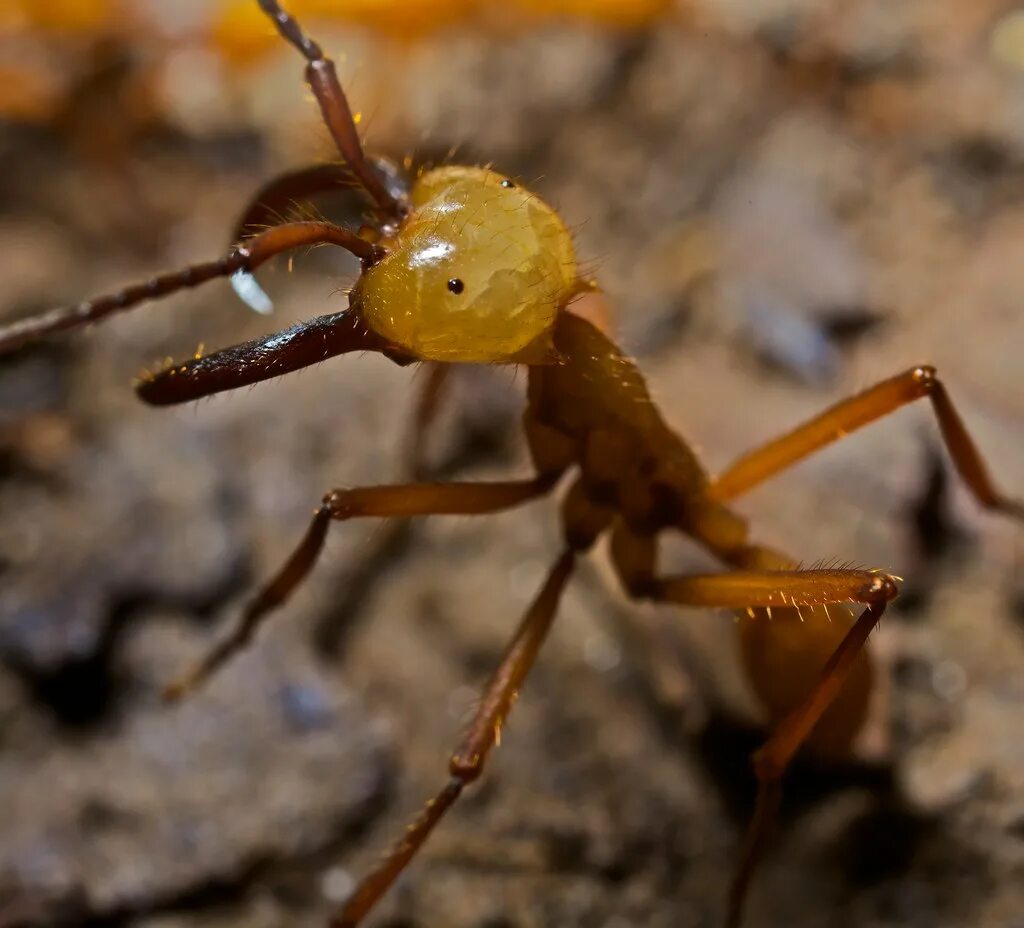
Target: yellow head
477 272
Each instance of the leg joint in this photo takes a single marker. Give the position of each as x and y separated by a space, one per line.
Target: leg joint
466 767
338 504
880 589
926 377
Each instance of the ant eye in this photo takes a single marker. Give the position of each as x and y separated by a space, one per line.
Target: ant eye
456 285
507 184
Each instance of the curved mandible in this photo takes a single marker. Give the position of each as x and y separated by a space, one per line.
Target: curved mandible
251 362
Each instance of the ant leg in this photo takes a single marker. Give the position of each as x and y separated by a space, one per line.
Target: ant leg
323 81
394 539
851 414
753 589
425 412
415 499
289 197
244 257
775 755
280 195
468 760
634 558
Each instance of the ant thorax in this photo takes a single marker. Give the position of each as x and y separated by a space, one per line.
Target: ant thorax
477 271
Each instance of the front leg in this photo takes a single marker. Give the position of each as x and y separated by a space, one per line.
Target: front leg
398 501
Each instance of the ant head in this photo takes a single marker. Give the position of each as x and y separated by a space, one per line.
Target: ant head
476 272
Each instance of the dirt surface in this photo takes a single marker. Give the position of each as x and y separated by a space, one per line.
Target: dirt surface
784 203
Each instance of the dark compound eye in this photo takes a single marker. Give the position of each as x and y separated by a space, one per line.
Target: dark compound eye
507 184
456 285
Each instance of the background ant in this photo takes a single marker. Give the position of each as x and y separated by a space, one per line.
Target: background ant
203 368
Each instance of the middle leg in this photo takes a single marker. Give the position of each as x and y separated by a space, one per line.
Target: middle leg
582 523
854 413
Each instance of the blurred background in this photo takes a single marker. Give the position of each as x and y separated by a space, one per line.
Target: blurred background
784 202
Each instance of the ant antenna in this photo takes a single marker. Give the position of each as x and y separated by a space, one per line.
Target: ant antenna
244 258
323 81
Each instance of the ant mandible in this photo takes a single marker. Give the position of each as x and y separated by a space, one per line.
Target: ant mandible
461 264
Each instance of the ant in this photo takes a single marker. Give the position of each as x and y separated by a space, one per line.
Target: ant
462 264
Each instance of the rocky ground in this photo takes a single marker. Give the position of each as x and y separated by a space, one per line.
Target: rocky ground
784 203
